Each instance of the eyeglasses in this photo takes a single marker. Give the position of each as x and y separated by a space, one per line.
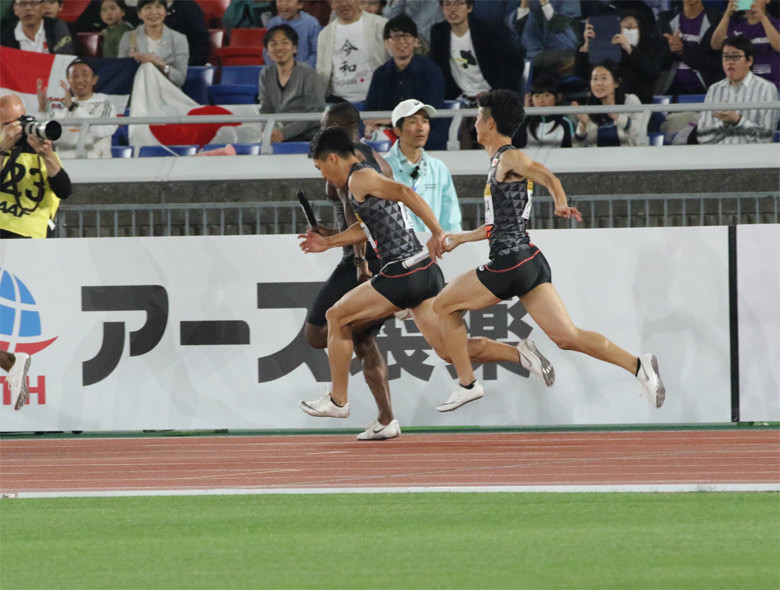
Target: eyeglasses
733 56
401 37
452 3
28 3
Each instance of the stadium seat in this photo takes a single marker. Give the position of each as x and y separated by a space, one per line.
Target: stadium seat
380 145
90 44
241 75
290 147
242 149
777 136
240 56
156 151
247 37
686 98
199 78
656 139
213 11
71 10
657 118
121 151
232 94
360 105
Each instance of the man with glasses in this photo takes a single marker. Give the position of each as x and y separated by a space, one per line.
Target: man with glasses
36 32
406 76
739 86
33 180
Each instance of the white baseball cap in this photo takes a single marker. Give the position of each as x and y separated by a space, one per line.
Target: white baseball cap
409 107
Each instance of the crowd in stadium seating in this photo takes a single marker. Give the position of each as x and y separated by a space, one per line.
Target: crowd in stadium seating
450 50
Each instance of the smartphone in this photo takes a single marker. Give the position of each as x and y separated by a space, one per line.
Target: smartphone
744 4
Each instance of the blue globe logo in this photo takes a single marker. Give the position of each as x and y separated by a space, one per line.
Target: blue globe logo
20 320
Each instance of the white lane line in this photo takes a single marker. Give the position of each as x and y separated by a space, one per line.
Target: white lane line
635 488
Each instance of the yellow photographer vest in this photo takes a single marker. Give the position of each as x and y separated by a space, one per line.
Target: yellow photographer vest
26 199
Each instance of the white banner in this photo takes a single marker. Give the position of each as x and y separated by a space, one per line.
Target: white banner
758 308
206 332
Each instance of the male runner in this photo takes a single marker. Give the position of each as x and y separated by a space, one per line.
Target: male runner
517 267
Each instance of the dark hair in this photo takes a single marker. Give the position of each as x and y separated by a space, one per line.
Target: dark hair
546 82
344 115
468 2
76 62
286 29
648 38
402 24
506 108
120 3
620 94
331 140
742 43
142 3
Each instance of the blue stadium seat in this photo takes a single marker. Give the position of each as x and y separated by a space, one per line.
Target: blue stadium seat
233 94
381 145
290 147
777 136
656 139
121 151
360 105
242 149
199 78
687 98
657 119
240 75
156 151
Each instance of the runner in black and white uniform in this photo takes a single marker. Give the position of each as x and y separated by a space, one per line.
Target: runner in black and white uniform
517 267
357 265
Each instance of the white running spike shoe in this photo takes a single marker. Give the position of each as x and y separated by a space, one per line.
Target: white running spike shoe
462 396
17 380
650 380
377 431
324 407
535 362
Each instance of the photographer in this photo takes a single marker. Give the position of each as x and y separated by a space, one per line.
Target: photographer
32 180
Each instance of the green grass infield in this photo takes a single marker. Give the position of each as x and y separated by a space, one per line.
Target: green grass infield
383 541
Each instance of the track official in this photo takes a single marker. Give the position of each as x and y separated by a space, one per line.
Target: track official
32 180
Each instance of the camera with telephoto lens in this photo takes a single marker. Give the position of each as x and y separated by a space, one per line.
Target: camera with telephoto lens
41 129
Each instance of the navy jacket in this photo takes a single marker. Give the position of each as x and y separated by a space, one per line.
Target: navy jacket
499 58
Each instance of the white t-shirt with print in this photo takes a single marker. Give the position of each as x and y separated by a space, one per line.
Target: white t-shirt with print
352 71
464 67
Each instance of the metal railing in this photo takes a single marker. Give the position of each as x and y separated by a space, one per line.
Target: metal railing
280 217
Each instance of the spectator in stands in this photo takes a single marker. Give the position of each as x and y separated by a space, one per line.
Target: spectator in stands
153 42
35 32
80 102
289 86
762 29
405 76
186 17
51 8
544 131
610 129
290 12
349 49
373 6
425 14
550 33
412 166
739 86
688 62
112 13
91 18
473 55
639 49
496 12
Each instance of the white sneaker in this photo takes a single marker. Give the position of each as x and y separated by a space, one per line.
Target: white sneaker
650 380
535 362
462 396
325 407
17 380
377 431
403 314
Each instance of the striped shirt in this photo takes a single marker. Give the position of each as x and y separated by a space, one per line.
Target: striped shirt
755 126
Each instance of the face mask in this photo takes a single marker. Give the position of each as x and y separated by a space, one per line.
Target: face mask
632 36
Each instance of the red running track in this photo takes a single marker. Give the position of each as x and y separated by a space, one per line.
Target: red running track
413 460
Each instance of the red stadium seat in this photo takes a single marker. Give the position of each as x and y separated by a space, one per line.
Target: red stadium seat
213 11
240 56
247 37
90 44
72 9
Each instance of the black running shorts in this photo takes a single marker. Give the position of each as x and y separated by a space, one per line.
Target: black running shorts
515 274
342 280
409 287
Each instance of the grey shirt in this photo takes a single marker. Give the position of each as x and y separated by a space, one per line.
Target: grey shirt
174 50
302 94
